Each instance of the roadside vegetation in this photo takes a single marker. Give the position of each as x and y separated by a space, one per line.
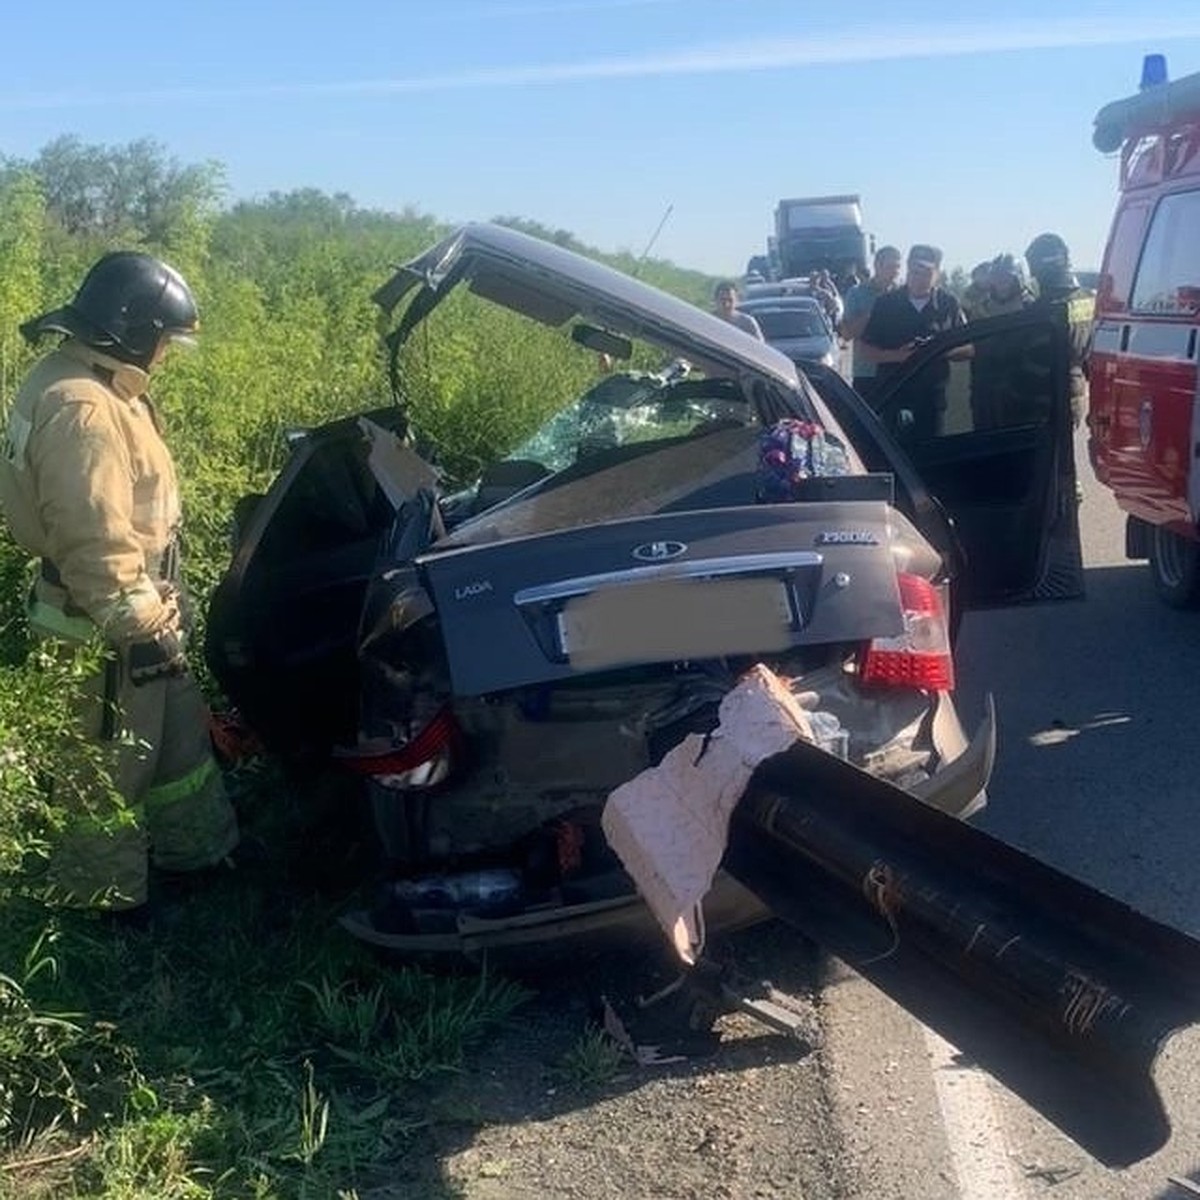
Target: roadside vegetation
237 1045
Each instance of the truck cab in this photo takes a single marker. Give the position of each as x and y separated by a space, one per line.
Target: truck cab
1144 407
815 233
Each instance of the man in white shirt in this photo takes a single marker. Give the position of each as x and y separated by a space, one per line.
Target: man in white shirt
725 298
860 300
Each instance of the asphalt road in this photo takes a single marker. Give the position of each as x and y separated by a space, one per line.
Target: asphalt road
1098 774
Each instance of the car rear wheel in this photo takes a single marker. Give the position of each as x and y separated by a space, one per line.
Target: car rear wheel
1175 566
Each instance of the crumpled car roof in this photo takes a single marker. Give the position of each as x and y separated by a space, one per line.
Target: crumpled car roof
552 285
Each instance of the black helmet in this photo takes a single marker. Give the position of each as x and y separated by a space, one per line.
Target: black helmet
1050 262
1007 266
126 304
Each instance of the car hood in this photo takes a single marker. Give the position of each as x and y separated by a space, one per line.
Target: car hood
549 284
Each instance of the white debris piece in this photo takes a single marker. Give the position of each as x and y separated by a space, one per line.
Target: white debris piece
669 824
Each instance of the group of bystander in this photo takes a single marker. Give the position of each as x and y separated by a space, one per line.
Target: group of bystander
887 322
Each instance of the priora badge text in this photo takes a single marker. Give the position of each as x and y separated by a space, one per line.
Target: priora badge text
658 551
847 537
472 589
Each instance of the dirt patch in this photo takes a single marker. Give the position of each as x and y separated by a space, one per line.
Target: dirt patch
545 1115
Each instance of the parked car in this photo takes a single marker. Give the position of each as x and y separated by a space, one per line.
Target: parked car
762 289
795 325
488 666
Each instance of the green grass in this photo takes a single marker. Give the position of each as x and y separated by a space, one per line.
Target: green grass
594 1060
240 1046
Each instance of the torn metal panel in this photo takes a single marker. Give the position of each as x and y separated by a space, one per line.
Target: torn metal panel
897 734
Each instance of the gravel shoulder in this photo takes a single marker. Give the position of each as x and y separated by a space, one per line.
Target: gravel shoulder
744 1112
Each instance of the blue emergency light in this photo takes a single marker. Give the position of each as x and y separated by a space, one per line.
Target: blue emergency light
1154 71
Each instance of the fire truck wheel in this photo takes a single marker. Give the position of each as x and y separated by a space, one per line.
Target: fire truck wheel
1175 565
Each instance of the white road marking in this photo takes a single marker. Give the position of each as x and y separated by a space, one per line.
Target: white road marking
974 1134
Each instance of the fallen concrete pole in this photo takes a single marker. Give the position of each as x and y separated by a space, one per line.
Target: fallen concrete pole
1067 996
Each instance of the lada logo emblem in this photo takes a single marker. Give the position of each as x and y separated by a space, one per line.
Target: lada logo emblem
658 551
476 587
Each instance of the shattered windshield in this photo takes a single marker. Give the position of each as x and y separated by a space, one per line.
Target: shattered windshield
635 408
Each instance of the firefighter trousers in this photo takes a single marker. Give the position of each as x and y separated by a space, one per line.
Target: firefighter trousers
178 818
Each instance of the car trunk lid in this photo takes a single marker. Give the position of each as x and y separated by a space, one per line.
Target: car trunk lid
748 580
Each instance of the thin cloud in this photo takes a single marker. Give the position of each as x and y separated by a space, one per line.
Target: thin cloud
735 56
559 8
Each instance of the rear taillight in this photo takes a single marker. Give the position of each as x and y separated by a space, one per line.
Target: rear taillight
920 657
423 761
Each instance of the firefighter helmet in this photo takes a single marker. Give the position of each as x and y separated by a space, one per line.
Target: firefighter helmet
1050 262
128 302
1007 267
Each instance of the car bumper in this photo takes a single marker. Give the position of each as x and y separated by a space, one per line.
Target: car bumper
958 788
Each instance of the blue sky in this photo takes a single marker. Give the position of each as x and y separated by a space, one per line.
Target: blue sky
971 130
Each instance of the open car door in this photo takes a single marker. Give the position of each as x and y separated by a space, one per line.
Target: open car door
983 414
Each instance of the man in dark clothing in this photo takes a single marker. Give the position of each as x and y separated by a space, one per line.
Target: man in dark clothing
1000 392
904 319
1050 265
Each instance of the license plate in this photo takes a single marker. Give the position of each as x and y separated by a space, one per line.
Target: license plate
678 619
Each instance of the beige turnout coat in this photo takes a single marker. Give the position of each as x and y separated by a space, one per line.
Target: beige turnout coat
88 484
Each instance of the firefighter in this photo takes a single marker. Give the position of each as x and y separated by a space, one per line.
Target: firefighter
975 296
89 487
999 360
1050 265
1006 290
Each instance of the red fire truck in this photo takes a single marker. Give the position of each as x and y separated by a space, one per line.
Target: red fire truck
1144 410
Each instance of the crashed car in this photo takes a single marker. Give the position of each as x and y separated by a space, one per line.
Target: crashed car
489 665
